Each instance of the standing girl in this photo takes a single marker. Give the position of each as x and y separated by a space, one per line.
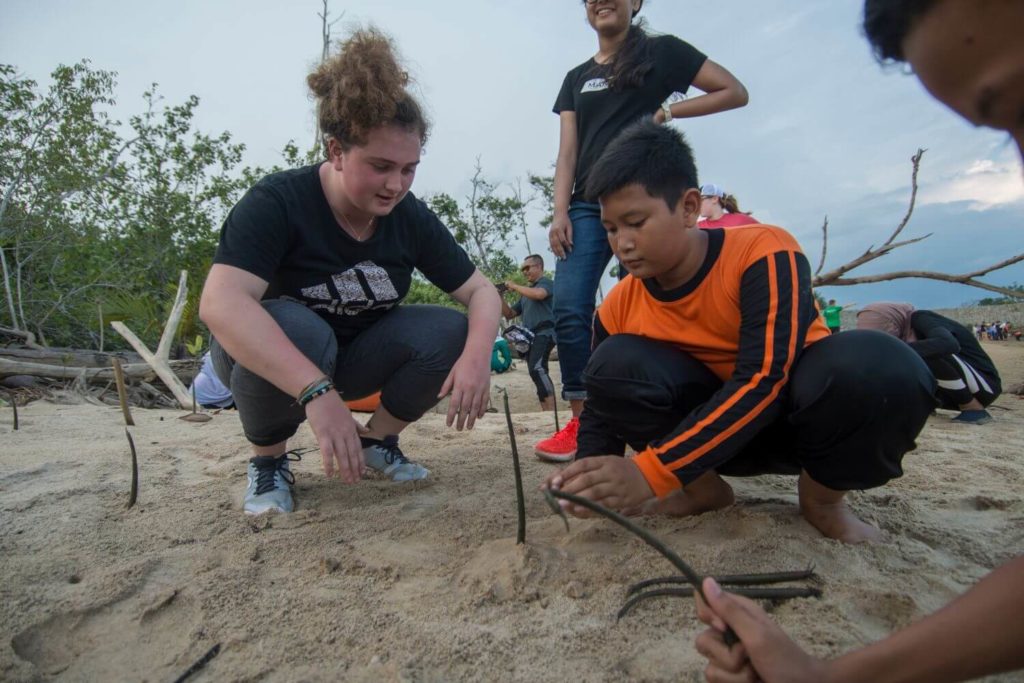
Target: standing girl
631 76
303 297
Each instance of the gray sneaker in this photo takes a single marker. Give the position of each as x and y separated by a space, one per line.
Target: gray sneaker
270 484
386 457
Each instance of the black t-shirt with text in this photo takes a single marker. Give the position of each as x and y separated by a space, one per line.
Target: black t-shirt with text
602 112
283 231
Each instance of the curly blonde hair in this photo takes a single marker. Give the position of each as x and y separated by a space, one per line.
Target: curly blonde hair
364 87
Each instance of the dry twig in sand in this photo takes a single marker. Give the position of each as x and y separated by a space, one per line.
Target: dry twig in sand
122 392
14 407
688 574
200 663
194 416
520 501
133 494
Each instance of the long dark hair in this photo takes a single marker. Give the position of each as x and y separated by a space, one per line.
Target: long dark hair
632 62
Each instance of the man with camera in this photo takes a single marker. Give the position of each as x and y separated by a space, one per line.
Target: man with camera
535 307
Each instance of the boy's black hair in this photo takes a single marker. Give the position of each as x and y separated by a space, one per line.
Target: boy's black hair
655 157
887 23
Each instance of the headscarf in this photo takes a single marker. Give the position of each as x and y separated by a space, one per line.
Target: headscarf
891 318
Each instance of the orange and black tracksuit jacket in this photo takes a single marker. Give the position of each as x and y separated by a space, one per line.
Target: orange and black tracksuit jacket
746 314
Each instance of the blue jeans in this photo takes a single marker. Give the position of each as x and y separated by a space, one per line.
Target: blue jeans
576 281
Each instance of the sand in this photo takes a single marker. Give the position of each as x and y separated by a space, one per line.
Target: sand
385 582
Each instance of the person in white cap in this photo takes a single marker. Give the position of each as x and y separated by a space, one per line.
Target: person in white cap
720 210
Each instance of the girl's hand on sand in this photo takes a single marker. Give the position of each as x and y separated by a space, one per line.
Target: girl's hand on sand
337 434
764 653
470 385
560 235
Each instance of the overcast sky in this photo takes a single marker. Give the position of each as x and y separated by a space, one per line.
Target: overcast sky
827 131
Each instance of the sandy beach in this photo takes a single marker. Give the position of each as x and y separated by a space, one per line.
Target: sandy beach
386 582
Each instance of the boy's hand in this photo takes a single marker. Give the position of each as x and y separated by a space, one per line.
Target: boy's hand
611 480
764 653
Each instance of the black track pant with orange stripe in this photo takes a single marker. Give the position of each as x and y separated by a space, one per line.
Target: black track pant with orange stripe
853 407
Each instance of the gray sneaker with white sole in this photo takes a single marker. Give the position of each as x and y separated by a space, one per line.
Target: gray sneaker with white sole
270 484
387 458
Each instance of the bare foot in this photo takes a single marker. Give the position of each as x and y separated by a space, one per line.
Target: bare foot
826 511
706 493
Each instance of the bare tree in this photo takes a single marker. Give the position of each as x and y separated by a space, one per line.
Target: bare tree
836 276
326 23
520 212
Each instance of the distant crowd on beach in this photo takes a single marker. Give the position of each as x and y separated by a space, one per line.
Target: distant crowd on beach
997 331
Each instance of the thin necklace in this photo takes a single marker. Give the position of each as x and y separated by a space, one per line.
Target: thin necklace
361 235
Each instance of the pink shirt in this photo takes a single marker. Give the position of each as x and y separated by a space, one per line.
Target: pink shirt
728 220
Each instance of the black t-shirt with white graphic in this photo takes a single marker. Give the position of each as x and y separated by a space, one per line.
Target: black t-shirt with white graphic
283 232
602 112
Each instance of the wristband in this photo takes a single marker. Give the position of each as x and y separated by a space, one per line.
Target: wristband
666 109
315 390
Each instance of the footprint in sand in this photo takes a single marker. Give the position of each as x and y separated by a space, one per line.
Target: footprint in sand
147 635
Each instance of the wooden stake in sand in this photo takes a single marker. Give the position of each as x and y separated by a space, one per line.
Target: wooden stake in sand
200 663
520 501
133 494
650 539
122 392
194 416
555 404
14 407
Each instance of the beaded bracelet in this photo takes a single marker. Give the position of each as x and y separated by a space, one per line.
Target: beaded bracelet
315 390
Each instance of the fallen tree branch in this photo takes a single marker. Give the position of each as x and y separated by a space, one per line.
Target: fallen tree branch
835 277
824 246
135 371
930 275
159 360
30 339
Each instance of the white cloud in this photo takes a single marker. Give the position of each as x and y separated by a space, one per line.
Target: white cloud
985 183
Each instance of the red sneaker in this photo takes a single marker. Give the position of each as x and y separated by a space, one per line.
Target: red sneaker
562 446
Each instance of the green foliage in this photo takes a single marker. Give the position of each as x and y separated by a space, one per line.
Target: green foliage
997 300
195 347
96 212
422 292
544 188
484 224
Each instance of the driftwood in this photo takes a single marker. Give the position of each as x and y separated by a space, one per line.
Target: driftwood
28 337
79 358
137 371
158 359
836 277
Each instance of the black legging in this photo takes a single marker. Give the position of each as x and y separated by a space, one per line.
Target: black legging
537 362
959 382
853 407
406 355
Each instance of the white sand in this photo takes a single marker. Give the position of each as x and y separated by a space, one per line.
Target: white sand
378 582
